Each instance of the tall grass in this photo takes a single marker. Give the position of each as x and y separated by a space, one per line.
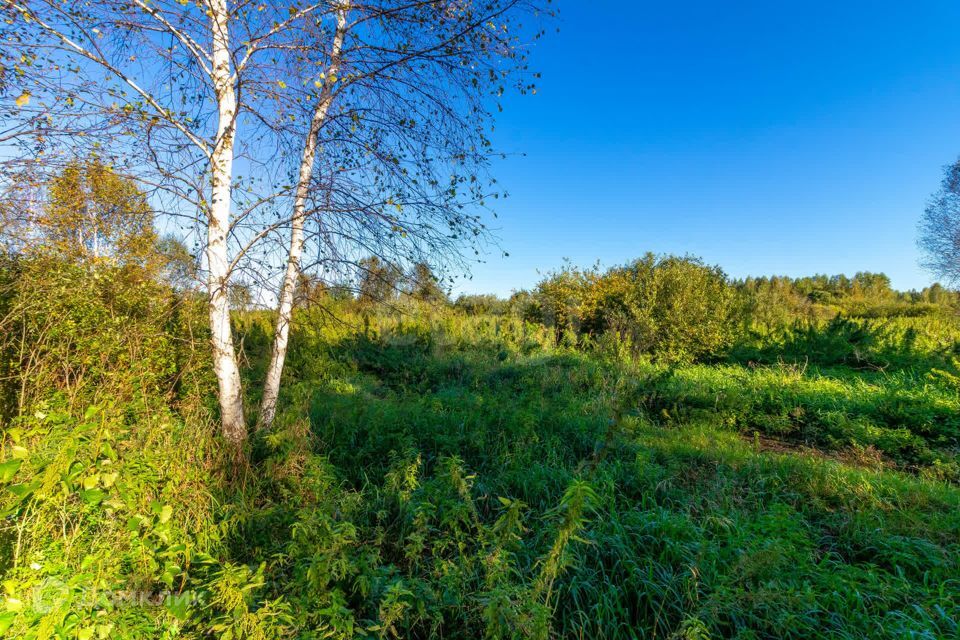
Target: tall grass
444 475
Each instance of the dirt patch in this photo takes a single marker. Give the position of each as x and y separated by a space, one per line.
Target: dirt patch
862 457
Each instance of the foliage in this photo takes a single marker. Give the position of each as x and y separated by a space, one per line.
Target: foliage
676 309
379 281
423 285
698 523
482 304
93 213
940 227
461 474
71 330
778 301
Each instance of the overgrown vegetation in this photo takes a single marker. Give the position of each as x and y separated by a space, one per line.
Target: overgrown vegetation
654 450
626 465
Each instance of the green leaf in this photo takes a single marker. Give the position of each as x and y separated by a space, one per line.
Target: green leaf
93 496
6 619
9 469
24 489
179 605
108 451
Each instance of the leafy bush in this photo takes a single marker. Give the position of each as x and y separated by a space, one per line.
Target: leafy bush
675 309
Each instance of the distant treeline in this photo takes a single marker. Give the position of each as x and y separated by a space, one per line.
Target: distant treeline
670 308
681 309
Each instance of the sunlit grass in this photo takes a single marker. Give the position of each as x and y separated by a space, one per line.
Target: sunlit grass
464 476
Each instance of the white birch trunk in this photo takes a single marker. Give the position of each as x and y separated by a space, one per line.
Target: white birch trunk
271 390
218 227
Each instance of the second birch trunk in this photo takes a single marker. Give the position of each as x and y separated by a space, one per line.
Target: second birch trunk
281 336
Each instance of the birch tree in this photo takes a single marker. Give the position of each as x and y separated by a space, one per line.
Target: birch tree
157 86
407 89
359 129
939 239
292 274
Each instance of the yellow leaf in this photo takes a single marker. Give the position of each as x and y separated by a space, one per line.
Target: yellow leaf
24 99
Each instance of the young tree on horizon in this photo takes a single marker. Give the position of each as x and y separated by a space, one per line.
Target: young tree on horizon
95 214
940 228
424 285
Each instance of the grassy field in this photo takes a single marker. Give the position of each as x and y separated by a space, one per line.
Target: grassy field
532 488
449 476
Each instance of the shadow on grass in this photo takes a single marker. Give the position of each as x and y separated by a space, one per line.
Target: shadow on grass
390 462
863 344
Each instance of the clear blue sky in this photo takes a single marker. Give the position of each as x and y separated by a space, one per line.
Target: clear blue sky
766 137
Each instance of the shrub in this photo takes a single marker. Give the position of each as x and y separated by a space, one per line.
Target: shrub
674 309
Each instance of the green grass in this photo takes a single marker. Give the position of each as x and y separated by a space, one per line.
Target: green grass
463 477
910 419
694 529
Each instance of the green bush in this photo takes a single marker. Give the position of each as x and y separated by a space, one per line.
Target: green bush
673 309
